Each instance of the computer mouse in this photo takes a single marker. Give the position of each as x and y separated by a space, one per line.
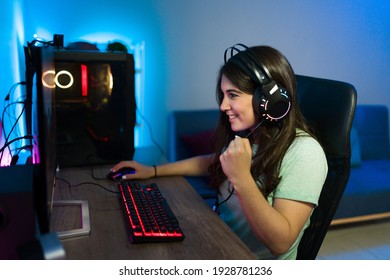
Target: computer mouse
117 175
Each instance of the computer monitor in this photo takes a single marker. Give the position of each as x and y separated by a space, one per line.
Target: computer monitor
26 188
41 121
95 104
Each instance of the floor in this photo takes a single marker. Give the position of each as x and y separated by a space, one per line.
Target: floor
366 241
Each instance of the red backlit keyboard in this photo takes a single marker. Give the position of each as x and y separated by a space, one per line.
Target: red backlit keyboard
148 214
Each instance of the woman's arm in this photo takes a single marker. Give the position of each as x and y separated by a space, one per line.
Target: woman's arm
195 166
277 226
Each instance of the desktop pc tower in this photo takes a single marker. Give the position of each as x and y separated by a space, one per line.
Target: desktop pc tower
95 107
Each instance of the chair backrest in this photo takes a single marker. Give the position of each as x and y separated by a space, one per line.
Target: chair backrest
330 107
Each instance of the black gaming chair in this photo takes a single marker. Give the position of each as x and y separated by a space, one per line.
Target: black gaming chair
330 107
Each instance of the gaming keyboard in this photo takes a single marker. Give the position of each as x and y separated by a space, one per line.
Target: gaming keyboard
150 219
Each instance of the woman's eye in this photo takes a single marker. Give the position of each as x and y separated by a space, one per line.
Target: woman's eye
233 95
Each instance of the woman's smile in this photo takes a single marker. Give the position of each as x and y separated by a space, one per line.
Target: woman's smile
237 105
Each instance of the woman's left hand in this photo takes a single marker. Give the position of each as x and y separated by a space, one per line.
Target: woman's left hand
236 159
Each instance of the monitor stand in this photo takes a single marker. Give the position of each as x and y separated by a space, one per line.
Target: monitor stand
85 221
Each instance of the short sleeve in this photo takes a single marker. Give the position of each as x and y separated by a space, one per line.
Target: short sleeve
303 171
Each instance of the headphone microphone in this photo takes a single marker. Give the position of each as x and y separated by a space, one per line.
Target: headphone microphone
250 132
270 99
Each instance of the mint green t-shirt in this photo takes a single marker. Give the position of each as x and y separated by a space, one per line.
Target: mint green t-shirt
303 172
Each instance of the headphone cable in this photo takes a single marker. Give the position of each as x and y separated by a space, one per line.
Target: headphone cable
250 132
216 206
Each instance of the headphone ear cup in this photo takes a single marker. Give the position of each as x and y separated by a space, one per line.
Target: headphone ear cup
272 102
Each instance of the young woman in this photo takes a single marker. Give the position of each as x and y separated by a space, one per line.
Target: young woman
268 167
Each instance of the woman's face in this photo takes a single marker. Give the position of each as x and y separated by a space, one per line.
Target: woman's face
238 106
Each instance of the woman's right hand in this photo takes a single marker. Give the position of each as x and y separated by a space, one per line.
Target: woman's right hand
141 171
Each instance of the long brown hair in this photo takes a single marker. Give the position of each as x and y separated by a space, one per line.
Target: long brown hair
273 138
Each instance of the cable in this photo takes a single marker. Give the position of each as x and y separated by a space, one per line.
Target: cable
150 131
29 137
216 206
94 184
7 143
25 147
86 183
33 42
9 115
7 98
12 89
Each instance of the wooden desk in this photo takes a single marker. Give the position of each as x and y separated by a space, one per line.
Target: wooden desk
206 235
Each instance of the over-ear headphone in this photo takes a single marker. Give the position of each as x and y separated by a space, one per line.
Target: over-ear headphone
272 100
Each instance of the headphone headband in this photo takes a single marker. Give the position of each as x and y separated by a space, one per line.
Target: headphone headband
259 73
